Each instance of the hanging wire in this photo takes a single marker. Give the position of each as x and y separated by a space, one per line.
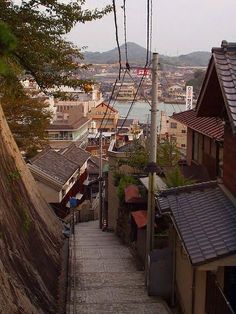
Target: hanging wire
150 36
137 86
145 67
108 105
148 33
131 105
117 36
112 106
125 35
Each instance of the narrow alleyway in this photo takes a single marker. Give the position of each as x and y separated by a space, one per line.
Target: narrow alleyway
104 276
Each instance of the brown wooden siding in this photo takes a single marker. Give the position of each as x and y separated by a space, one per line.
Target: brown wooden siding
208 155
210 163
229 166
189 146
215 299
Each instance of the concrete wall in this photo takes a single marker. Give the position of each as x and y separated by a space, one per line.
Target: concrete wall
49 194
113 202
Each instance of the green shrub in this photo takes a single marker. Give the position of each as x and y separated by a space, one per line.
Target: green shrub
123 183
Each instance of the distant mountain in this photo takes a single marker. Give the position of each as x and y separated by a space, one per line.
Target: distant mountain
137 55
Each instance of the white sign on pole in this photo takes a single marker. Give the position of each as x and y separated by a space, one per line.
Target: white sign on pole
189 97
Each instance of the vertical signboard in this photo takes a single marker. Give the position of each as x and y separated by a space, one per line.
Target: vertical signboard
189 97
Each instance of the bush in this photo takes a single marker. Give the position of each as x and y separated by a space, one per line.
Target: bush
123 183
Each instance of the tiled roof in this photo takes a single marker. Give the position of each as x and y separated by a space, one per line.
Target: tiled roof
65 125
218 90
127 122
109 107
128 147
76 154
209 126
225 63
54 165
204 217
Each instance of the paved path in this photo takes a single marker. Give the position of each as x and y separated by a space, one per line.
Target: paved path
105 276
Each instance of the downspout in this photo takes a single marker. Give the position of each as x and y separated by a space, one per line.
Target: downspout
193 290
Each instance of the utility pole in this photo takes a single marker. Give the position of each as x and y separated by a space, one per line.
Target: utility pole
100 181
152 167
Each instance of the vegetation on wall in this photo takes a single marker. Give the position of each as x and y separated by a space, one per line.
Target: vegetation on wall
124 181
175 178
167 154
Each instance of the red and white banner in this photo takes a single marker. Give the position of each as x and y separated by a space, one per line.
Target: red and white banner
189 97
143 72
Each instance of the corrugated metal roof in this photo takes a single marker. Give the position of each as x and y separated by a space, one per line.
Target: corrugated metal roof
159 184
209 126
140 218
205 219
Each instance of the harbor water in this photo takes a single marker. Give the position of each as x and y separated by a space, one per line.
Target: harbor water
141 110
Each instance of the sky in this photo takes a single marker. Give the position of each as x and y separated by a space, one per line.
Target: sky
179 26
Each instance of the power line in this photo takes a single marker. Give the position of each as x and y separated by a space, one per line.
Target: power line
137 85
132 103
117 36
148 32
151 14
121 84
125 35
113 89
146 64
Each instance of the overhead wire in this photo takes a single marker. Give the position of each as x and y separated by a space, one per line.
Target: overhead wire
125 37
150 35
105 113
117 36
147 100
145 67
112 106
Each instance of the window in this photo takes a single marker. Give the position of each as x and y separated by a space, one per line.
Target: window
183 145
183 131
173 125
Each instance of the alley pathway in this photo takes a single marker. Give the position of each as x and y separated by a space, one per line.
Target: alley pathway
104 276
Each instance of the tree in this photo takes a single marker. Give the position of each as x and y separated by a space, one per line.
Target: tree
138 157
167 154
175 178
39 27
196 81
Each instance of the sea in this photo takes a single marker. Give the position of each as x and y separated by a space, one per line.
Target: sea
141 110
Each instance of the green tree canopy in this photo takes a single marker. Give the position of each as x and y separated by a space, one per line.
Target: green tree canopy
196 81
35 31
40 27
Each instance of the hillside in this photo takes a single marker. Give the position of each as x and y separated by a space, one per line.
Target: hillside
137 55
30 237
